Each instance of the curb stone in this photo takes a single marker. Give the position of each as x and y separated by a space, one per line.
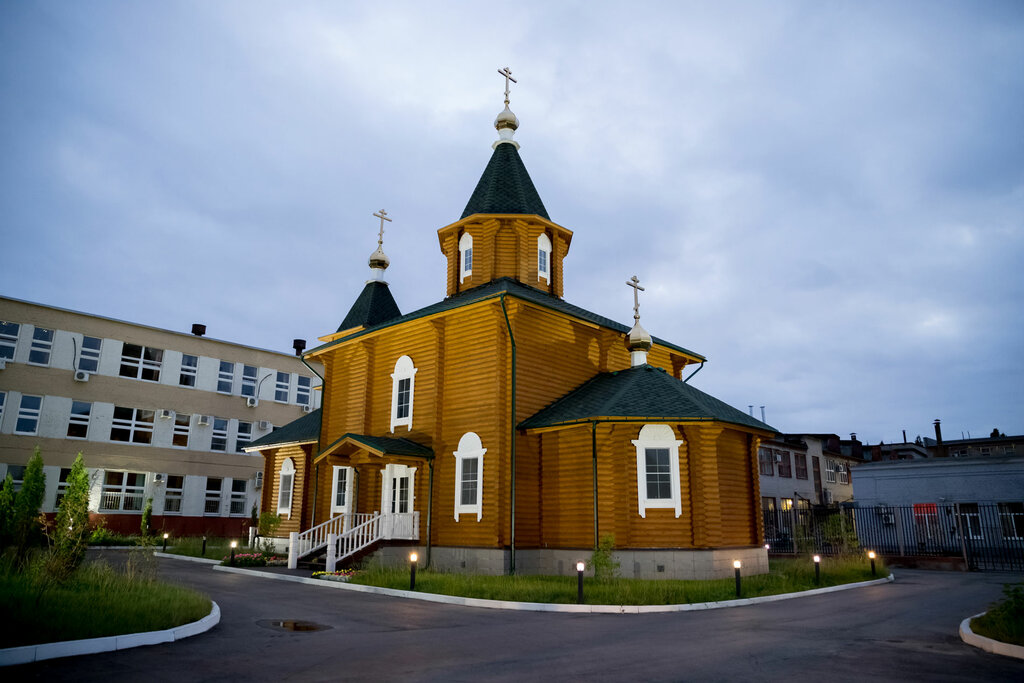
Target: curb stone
988 644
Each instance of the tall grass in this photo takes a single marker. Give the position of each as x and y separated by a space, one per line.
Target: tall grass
1004 620
97 601
785 576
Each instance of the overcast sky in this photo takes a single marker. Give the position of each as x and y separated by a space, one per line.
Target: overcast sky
826 199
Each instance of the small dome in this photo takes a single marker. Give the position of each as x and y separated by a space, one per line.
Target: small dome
639 339
506 119
379 259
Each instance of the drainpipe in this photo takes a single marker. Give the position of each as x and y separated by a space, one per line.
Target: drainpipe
512 450
593 453
316 468
695 372
430 503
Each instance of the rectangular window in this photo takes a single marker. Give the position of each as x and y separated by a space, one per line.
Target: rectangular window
765 462
1008 450
133 425
283 384
830 470
213 487
971 520
785 464
78 422
28 415
1011 519
467 261
173 494
470 470
189 366
786 504
89 356
284 494
42 344
238 491
340 489
220 435
842 473
226 377
182 425
3 402
801 465
402 406
248 380
985 450
62 486
17 473
926 519
542 263
399 495
659 474
244 436
141 362
123 491
8 339
302 390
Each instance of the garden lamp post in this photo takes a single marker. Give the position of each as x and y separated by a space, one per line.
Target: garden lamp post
736 566
871 556
579 582
817 569
412 570
204 546
234 544
165 541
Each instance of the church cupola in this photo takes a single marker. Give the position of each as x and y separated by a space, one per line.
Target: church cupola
505 230
638 340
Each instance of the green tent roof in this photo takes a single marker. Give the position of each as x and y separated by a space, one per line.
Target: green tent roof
505 187
303 430
373 306
640 393
388 445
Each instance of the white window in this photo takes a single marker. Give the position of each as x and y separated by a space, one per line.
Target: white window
244 436
830 470
398 497
544 258
173 494
8 339
657 469
248 380
220 435
42 344
62 486
182 426
213 493
469 467
89 356
302 390
842 472
3 402
28 415
238 491
141 362
123 491
17 474
133 425
78 421
972 520
341 490
281 390
1011 519
465 256
189 366
402 389
284 492
226 377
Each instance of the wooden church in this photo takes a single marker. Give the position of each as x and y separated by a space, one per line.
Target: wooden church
503 429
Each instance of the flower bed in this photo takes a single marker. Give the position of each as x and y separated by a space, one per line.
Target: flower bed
257 559
342 575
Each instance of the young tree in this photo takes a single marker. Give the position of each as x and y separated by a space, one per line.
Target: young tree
27 503
71 528
147 518
6 512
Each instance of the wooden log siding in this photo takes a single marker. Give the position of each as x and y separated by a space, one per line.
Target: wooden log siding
735 489
301 507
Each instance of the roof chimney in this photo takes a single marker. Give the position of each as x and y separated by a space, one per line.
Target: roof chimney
198 329
938 432
299 345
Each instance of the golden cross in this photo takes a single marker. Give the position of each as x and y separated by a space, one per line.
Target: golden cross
634 282
508 77
383 216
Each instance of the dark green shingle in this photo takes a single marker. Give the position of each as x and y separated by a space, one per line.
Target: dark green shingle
505 187
388 445
373 306
303 430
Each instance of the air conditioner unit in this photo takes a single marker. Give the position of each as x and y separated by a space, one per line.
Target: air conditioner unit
160 478
205 420
888 519
778 457
81 376
252 401
3 363
828 497
264 425
166 414
259 480
307 409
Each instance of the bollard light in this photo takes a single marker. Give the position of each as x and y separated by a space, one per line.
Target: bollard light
767 547
204 546
736 566
871 556
165 542
817 569
412 570
234 544
579 582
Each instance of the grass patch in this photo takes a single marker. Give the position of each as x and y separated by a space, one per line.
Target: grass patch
785 576
1004 620
97 601
192 546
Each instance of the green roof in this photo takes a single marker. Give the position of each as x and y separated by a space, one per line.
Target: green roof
373 306
494 289
303 430
505 186
640 393
387 445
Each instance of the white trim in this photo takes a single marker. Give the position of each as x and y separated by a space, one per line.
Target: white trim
346 508
469 448
404 369
287 470
544 245
657 436
465 244
390 473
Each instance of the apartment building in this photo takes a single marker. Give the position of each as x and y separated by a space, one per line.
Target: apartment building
157 414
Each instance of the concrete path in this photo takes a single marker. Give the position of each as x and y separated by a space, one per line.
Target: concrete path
900 631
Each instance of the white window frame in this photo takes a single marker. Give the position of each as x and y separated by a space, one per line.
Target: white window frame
226 377
830 470
79 419
3 402
140 430
243 435
971 514
89 358
140 365
284 386
544 257
129 497
41 350
62 487
220 431
346 490
215 496
173 495
236 504
470 448
842 472
658 436
303 390
465 256
28 413
391 473
182 427
8 339
249 375
404 370
189 372
285 488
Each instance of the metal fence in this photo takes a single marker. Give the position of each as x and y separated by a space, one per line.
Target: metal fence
985 536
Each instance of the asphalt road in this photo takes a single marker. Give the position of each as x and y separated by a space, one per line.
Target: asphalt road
902 631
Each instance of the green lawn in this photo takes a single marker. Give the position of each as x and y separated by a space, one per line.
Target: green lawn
785 576
1004 621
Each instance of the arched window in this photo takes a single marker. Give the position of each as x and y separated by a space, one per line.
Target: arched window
286 481
544 257
465 256
403 383
657 469
469 476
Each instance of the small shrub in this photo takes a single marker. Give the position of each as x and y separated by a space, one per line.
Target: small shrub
603 562
25 520
146 526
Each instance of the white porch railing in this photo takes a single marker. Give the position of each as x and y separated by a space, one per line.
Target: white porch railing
352 533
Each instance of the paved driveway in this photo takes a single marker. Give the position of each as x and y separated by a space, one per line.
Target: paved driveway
903 631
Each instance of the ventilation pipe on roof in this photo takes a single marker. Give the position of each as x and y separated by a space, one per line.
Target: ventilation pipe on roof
938 431
198 329
299 345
